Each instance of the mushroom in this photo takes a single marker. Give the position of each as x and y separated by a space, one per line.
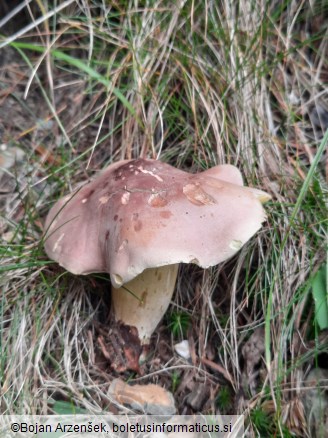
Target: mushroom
139 219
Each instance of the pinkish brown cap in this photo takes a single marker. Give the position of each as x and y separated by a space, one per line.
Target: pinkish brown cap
141 214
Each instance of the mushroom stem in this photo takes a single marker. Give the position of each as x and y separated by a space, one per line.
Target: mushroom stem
143 301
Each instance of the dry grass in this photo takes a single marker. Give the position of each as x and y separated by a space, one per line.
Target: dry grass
196 84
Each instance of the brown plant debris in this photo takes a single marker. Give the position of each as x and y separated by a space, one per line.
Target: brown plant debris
149 399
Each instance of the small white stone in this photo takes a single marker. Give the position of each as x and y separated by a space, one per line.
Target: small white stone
293 99
183 350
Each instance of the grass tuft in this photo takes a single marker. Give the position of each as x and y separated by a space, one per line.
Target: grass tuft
85 84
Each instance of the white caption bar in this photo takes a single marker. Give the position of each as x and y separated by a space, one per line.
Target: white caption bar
121 426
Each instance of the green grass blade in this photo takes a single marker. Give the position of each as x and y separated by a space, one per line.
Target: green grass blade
320 296
303 191
81 66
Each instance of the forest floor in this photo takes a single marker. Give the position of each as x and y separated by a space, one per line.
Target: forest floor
84 85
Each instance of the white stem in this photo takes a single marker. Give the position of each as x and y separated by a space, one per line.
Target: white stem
143 301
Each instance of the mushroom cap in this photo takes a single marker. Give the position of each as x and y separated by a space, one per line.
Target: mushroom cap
140 214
